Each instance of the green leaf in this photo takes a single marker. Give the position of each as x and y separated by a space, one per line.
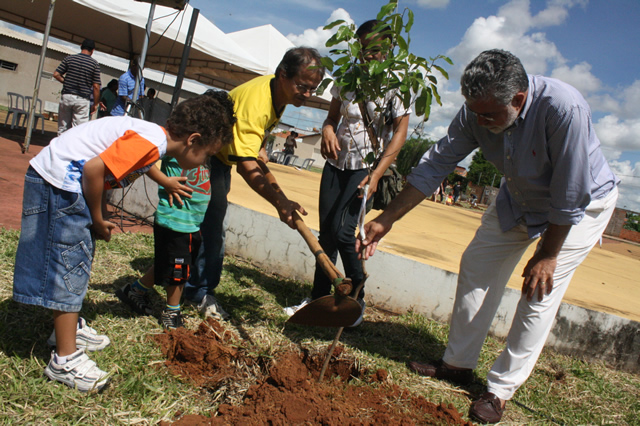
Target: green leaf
333 24
402 44
386 10
370 158
322 86
327 62
442 71
407 27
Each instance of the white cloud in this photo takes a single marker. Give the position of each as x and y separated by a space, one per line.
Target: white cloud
621 135
579 76
629 174
318 37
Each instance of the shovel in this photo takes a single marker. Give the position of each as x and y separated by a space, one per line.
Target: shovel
337 310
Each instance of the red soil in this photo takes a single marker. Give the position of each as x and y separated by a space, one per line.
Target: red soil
290 392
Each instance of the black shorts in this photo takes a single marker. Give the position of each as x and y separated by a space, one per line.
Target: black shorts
175 253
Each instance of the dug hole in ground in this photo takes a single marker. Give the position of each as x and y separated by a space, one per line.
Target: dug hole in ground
287 390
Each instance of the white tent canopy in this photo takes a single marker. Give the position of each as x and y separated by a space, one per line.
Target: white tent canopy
268 46
118 28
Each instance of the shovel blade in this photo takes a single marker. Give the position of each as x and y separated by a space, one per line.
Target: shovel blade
328 311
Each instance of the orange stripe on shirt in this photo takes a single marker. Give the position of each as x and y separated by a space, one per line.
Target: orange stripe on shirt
128 154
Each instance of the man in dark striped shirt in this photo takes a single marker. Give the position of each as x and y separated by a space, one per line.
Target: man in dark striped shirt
80 78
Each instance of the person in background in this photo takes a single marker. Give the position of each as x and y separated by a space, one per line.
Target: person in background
126 86
557 190
108 97
290 145
80 78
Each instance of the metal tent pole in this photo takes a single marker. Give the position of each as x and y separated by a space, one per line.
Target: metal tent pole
36 90
185 57
143 54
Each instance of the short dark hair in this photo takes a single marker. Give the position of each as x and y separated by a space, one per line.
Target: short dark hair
296 59
210 114
88 44
367 28
151 92
494 74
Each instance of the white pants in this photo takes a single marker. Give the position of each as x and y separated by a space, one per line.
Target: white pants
73 110
485 269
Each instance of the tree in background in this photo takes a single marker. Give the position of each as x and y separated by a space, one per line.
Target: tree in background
482 172
411 153
633 222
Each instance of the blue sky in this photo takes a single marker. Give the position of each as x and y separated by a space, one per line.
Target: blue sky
593 45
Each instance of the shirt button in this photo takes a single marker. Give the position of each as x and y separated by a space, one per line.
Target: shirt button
509 133
509 179
508 157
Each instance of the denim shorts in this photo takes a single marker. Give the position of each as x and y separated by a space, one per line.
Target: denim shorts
55 251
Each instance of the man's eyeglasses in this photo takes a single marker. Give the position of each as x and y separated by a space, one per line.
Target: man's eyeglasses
303 88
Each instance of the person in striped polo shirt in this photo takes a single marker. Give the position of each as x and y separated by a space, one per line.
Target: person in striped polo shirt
80 78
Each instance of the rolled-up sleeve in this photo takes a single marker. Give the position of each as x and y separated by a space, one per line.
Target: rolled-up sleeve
570 185
443 157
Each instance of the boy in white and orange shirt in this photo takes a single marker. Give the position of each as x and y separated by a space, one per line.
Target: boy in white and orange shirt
63 214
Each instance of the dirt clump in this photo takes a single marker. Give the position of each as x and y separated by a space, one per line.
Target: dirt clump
289 392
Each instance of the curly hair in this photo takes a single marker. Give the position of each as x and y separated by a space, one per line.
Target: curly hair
210 114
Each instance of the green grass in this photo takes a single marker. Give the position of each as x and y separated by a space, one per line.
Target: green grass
142 391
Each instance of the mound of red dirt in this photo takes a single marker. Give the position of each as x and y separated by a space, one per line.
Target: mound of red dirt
290 392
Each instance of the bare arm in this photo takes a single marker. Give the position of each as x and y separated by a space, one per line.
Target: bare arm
96 97
538 274
58 76
93 189
374 230
172 185
329 146
260 179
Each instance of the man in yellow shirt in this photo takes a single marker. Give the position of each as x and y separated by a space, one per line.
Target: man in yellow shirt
258 106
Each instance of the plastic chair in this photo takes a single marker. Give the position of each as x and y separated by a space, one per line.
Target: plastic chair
278 157
306 164
37 113
289 159
16 107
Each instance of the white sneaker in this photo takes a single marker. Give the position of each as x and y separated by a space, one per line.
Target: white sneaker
290 310
86 338
209 307
79 372
361 317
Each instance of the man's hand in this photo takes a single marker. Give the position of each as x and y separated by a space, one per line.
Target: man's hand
285 211
175 189
374 231
538 275
102 229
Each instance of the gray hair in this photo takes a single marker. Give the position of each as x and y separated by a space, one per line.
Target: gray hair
494 74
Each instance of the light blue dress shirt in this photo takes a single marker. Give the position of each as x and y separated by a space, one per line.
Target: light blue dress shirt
551 158
126 86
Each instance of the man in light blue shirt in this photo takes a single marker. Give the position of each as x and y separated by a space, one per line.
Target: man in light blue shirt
126 86
557 185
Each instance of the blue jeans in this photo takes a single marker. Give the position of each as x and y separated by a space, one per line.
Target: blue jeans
55 251
339 210
208 265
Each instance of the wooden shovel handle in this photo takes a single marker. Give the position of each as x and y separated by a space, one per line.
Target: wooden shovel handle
329 268
322 258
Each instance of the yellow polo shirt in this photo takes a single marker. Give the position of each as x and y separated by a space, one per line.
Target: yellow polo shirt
253 105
